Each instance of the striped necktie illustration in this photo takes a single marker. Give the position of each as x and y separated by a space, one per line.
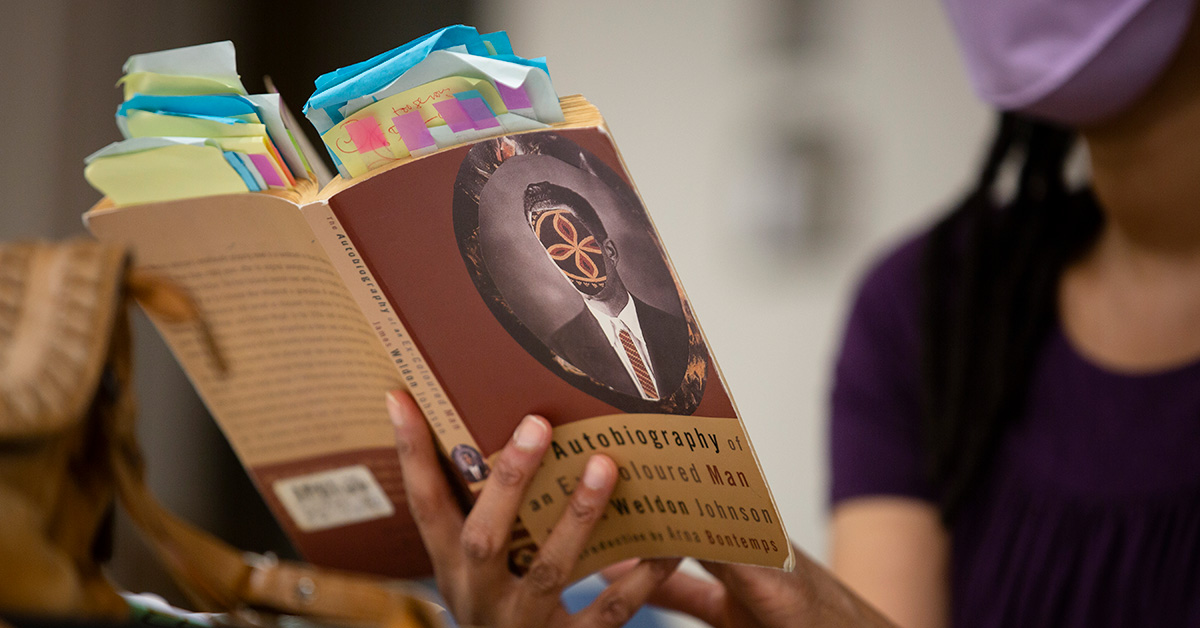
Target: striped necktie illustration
639 366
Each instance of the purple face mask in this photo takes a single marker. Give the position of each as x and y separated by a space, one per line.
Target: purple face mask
1071 61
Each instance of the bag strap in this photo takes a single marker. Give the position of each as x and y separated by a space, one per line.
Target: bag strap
215 575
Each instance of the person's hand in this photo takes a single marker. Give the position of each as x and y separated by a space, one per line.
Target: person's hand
470 554
757 597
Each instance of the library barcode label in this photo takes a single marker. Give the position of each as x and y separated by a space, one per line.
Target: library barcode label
329 499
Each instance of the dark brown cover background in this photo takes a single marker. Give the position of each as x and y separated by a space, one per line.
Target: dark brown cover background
401 222
389 546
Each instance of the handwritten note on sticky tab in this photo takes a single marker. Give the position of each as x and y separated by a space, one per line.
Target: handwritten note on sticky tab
437 105
453 114
366 134
481 116
413 131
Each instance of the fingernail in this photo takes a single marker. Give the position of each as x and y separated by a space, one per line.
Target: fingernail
530 434
393 408
595 474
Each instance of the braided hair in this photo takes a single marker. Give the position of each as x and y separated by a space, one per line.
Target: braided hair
990 275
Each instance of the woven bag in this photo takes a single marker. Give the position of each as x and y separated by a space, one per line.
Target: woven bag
68 453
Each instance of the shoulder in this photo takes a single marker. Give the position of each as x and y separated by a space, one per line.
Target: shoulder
647 311
571 329
887 301
875 402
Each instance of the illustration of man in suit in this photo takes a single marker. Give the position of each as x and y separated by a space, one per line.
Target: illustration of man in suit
469 462
618 339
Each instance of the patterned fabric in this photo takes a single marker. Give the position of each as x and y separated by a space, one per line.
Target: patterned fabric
639 365
572 247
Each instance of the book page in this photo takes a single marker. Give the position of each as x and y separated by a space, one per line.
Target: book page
307 376
302 403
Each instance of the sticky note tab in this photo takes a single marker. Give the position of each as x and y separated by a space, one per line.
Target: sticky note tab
266 168
148 124
497 43
514 97
215 59
366 135
480 114
249 166
139 144
249 179
173 85
164 174
454 115
413 131
474 93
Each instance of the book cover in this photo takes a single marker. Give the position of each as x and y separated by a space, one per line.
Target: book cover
505 260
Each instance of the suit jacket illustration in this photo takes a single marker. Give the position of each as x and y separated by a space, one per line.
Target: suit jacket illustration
581 342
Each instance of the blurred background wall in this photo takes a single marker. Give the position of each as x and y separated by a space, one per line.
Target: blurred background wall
779 144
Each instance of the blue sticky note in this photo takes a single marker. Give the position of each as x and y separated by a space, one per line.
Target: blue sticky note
220 105
499 42
375 73
335 89
221 119
240 168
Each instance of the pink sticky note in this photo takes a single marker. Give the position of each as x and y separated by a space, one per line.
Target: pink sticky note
366 134
514 97
480 114
413 131
452 112
266 168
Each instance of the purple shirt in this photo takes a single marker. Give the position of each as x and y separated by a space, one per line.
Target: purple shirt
1091 514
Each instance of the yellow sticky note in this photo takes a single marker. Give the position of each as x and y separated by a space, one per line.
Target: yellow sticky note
164 174
149 124
420 99
175 85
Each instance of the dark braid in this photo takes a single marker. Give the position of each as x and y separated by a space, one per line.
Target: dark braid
990 276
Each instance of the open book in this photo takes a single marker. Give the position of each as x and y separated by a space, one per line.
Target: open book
516 274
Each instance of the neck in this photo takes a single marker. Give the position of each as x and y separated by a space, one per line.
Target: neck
1146 164
612 303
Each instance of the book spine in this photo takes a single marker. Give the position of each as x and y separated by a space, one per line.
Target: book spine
414 370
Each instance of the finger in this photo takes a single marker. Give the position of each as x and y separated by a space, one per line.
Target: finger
539 589
620 600
702 599
770 595
486 532
614 571
433 507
